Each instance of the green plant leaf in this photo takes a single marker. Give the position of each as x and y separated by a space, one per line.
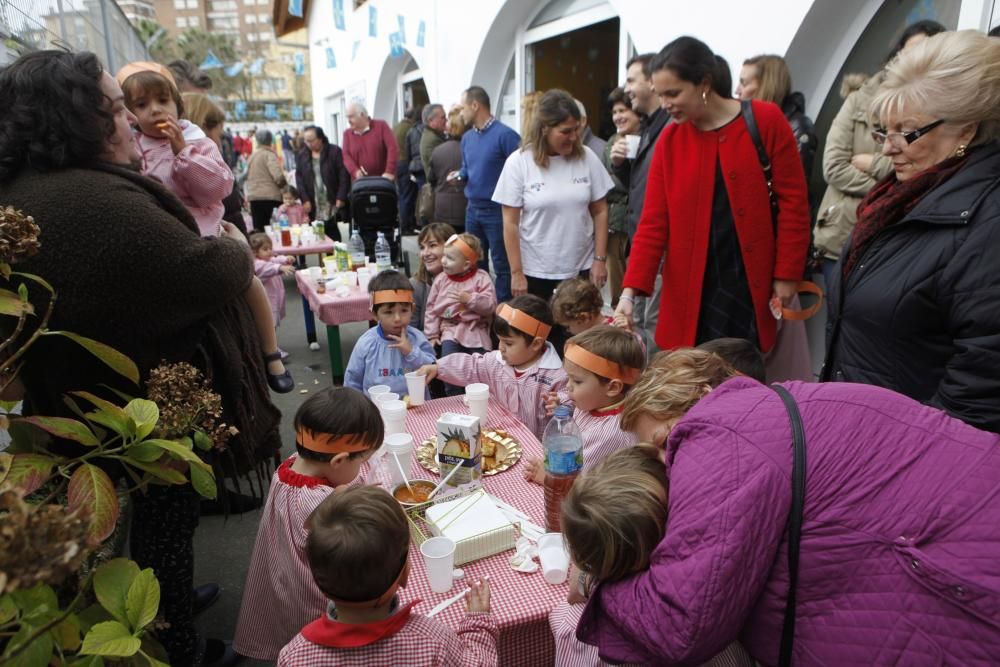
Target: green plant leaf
5 462
202 441
107 413
7 406
160 471
143 600
110 639
144 452
117 361
153 650
145 414
176 449
25 438
67 634
62 427
91 489
93 615
8 609
12 304
29 471
203 480
37 602
39 652
111 583
88 661
154 662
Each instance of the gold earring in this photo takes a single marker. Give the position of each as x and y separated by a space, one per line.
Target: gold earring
960 151
704 97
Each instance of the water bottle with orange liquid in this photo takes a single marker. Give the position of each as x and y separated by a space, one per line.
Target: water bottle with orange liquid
563 461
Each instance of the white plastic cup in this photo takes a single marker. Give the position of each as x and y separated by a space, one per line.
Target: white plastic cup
364 277
384 396
632 146
439 561
330 264
478 397
553 557
316 273
394 416
399 445
416 385
377 389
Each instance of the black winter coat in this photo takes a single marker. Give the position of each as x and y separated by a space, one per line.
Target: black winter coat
633 173
920 311
413 148
794 108
334 173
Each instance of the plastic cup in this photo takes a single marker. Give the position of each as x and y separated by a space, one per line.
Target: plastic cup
400 445
330 264
553 557
416 385
316 273
364 277
478 397
394 416
632 142
377 389
439 561
384 396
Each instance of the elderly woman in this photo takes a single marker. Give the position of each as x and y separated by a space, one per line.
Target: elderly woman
449 197
161 292
900 528
265 179
914 304
554 197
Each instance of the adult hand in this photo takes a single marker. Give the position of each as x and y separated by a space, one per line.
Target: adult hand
360 172
518 283
390 175
623 314
429 371
401 343
452 176
477 599
619 151
599 273
231 231
863 162
171 129
785 290
340 203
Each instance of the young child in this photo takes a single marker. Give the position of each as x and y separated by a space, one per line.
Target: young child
461 302
291 206
336 431
741 354
522 371
180 156
577 305
358 550
431 241
387 352
269 269
601 365
612 520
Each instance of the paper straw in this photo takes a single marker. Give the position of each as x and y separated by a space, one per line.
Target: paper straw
443 481
406 481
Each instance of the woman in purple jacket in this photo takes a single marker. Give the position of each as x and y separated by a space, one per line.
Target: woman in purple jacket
900 547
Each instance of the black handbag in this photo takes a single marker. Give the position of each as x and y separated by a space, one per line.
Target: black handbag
794 521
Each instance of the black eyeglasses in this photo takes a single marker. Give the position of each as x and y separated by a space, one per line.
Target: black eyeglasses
901 139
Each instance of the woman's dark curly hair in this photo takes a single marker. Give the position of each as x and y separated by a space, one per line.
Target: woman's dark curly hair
54 114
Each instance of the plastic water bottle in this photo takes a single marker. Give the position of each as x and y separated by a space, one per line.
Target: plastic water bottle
357 247
283 221
383 254
563 462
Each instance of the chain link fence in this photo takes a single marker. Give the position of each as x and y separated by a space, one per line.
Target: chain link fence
79 25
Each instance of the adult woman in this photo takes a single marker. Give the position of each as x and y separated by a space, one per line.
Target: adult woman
627 121
851 164
66 150
209 116
320 176
554 197
914 306
707 199
265 179
449 198
900 527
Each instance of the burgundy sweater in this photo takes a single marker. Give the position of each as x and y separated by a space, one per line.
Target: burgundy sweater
375 150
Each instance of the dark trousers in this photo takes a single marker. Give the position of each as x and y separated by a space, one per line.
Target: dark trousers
544 288
261 211
451 347
407 191
485 222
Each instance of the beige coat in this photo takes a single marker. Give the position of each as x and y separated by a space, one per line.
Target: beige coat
850 134
264 175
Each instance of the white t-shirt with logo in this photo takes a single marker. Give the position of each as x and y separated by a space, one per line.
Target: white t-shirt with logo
556 230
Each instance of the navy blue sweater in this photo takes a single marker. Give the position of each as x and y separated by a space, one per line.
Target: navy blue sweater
483 156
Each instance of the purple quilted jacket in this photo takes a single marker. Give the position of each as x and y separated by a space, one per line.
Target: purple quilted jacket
900 560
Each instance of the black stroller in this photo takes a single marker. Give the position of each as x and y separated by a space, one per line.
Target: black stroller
374 208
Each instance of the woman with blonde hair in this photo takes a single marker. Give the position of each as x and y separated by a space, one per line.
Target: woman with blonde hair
209 116
913 306
449 197
899 526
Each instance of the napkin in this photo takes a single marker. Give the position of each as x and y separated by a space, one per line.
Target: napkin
467 517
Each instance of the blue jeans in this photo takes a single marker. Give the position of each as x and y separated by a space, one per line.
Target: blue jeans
485 221
451 347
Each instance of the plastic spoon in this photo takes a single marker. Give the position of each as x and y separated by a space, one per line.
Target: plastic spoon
402 472
443 482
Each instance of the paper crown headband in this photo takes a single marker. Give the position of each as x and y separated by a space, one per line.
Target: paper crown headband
600 366
522 321
144 66
325 443
463 247
392 296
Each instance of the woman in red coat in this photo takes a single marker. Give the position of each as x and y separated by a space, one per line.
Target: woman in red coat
707 213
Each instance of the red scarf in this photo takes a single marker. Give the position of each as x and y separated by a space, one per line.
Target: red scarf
890 201
334 634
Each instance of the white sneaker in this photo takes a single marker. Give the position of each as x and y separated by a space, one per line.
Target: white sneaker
314 346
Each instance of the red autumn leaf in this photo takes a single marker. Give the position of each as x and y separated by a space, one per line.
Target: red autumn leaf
91 489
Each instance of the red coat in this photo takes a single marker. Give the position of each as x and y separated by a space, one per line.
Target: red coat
677 211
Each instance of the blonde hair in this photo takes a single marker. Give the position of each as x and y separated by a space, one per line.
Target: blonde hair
774 81
456 126
202 111
528 105
554 107
574 299
952 75
673 383
616 513
472 241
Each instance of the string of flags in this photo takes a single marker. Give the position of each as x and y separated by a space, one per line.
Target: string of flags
397 38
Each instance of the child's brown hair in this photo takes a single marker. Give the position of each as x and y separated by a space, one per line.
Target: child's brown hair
390 279
616 345
357 544
260 241
616 513
439 231
339 411
146 83
530 305
739 353
575 299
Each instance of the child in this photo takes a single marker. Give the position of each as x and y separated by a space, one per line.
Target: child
431 240
601 365
740 353
336 431
577 305
461 302
291 206
189 164
387 352
269 269
358 550
522 371
613 519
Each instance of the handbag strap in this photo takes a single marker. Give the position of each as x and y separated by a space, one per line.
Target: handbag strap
746 109
794 521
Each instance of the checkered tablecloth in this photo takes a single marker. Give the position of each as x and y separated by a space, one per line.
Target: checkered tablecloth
521 602
330 308
319 248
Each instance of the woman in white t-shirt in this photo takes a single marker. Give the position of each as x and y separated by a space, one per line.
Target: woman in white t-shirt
555 213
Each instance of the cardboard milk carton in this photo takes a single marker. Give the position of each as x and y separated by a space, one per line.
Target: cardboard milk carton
458 445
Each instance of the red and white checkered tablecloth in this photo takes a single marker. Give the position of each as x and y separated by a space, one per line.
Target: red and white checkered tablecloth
521 602
330 308
319 248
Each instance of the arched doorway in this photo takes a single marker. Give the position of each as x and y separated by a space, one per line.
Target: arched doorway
400 87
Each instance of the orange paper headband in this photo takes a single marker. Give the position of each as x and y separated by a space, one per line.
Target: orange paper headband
463 247
385 598
806 313
601 366
392 296
325 443
522 321
143 66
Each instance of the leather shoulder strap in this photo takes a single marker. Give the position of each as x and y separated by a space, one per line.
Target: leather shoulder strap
746 108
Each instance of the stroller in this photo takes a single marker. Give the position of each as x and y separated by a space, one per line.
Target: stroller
374 208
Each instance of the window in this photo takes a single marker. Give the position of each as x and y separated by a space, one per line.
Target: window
251 18
265 36
251 37
264 18
178 4
194 22
227 23
249 3
192 4
182 22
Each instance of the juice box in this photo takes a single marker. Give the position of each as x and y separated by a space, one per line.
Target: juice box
458 445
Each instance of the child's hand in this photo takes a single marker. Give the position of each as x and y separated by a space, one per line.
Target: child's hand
575 595
171 129
477 599
429 370
462 296
435 341
534 471
288 270
402 344
289 260
551 400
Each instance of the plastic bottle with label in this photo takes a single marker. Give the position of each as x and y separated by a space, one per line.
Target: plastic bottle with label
357 246
383 253
563 446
